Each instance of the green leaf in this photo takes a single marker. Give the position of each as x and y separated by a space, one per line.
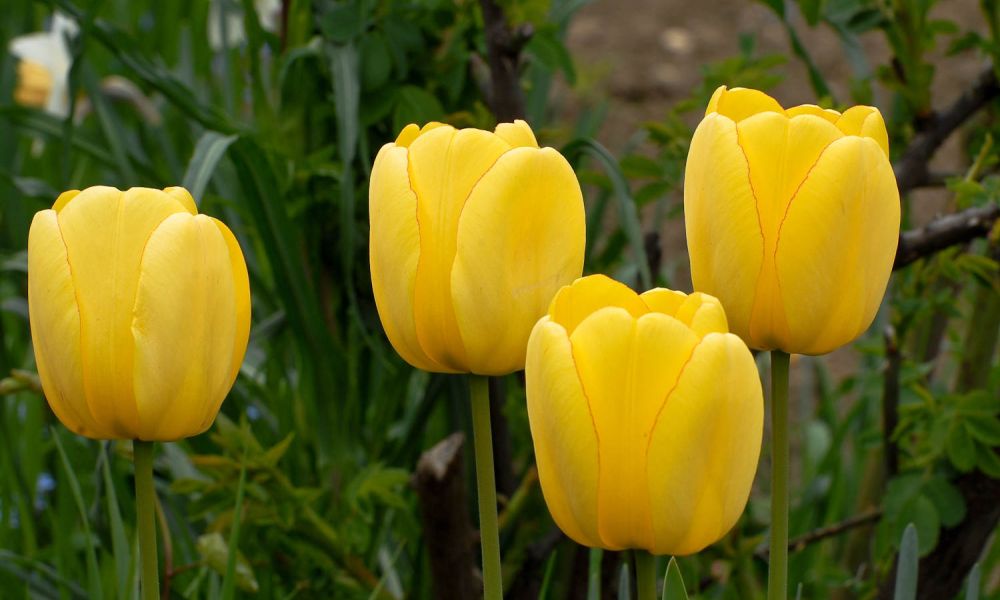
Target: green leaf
119 541
93 574
214 551
907 566
550 566
986 430
948 501
343 22
673 582
211 147
594 574
960 448
230 576
551 52
414 105
972 587
627 213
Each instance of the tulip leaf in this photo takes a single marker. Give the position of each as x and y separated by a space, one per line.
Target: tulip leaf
594 574
907 566
93 574
673 582
119 541
550 565
972 587
230 578
211 147
627 213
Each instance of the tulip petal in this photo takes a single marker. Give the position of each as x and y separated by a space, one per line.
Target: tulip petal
184 325
811 109
575 302
444 166
241 291
837 246
628 367
394 249
725 242
865 121
55 327
704 447
740 103
517 134
520 238
565 438
64 199
105 273
184 197
780 152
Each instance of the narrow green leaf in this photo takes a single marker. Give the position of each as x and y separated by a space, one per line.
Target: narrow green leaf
673 583
594 574
229 579
972 586
211 147
550 567
907 566
625 582
627 213
93 575
111 126
119 541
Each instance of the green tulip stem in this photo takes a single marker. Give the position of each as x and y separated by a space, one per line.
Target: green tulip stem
777 572
645 575
145 500
489 536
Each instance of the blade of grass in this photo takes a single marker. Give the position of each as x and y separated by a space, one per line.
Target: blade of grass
93 575
906 569
229 580
119 541
211 147
627 213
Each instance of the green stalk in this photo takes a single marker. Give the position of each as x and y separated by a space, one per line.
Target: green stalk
145 500
486 484
777 572
645 575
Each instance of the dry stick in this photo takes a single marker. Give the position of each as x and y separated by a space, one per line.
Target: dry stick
911 168
799 543
890 401
945 231
444 513
503 49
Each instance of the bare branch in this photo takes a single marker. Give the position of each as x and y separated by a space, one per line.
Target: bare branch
945 231
799 543
503 48
444 511
911 168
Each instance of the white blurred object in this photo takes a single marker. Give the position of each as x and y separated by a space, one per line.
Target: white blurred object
43 74
225 21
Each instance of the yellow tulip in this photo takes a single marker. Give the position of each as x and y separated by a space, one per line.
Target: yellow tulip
646 415
472 233
140 312
792 219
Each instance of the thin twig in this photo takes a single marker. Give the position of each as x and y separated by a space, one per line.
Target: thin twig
503 47
945 231
911 168
799 543
890 401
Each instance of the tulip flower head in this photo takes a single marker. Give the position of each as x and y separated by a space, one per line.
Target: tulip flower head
43 70
140 312
792 219
646 415
472 233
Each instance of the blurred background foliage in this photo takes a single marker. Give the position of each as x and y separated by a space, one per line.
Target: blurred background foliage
271 112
